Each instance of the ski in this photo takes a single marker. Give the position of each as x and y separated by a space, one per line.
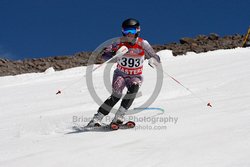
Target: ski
103 127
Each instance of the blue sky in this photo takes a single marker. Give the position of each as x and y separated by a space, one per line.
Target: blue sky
42 28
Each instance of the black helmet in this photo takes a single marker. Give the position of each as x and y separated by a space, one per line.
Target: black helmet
131 23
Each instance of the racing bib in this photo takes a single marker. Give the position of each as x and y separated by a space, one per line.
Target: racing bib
132 62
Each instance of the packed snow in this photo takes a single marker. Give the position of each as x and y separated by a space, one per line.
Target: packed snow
36 123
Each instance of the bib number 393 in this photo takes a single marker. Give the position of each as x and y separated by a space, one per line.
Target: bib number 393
130 62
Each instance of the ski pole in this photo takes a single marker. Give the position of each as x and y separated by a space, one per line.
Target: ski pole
246 37
121 51
208 104
155 65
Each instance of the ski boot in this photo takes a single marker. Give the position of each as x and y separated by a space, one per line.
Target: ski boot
118 119
96 120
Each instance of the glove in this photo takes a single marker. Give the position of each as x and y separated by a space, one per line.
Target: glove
153 62
121 51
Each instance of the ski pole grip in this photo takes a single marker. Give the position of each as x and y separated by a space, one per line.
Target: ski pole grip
121 51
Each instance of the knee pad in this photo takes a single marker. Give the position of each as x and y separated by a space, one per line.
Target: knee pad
133 88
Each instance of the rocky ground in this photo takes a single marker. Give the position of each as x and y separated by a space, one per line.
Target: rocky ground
201 43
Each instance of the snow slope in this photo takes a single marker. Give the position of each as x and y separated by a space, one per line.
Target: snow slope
35 122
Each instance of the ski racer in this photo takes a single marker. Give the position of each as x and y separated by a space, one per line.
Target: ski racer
128 72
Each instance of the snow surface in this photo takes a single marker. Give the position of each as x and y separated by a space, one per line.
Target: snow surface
35 122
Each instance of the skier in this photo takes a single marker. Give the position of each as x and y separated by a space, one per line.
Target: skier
128 72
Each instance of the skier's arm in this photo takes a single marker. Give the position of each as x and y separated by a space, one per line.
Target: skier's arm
108 52
153 58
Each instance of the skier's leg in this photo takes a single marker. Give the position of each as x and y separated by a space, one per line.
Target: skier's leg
133 87
117 88
109 104
130 96
104 110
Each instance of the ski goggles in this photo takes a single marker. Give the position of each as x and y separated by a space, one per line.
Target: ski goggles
129 31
